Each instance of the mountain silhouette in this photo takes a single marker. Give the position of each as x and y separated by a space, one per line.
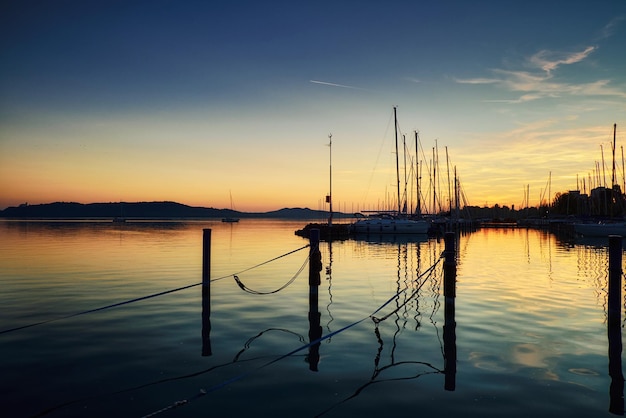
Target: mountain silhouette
146 210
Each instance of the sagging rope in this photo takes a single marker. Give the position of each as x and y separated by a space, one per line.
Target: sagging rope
255 292
114 305
303 347
261 264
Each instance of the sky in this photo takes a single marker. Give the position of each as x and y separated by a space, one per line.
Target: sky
208 103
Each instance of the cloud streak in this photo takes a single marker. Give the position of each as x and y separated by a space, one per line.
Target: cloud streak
611 27
549 61
326 83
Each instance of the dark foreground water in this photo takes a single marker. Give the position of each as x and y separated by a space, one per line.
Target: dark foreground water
530 330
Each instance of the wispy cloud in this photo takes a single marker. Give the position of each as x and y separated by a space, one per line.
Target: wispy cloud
536 77
612 26
326 83
553 146
477 80
549 61
522 99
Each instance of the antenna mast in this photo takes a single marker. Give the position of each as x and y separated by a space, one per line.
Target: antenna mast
330 193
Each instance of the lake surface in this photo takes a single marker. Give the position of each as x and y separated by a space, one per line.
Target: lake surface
529 324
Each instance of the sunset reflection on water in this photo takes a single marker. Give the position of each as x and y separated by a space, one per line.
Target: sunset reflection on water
530 321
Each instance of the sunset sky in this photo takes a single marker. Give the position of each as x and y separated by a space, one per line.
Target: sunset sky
192 101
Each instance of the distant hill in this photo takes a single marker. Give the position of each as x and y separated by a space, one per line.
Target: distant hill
146 210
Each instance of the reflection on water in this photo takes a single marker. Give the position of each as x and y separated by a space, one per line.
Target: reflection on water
526 333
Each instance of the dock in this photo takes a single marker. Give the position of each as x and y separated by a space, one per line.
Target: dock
334 231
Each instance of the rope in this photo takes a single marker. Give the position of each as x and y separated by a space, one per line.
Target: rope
305 346
255 292
247 344
373 381
427 271
102 308
114 305
145 385
261 264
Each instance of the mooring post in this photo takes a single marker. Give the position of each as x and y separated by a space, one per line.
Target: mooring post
615 279
315 257
449 264
206 293
616 390
315 329
449 326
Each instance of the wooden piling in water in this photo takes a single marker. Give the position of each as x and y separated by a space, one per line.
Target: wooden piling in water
449 264
315 329
206 293
616 390
615 278
449 326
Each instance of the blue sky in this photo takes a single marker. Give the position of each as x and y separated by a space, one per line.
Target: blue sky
191 101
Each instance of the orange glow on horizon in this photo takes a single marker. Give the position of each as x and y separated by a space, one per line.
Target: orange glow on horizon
493 168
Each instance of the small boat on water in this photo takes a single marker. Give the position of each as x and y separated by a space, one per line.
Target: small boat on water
120 219
600 229
231 219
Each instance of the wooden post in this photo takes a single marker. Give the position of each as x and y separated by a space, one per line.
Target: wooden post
616 390
449 327
315 329
449 283
206 293
315 257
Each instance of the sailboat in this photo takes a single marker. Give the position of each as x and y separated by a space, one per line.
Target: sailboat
600 229
119 219
232 208
611 226
394 222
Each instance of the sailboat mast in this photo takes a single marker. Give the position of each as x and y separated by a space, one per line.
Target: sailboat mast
418 209
395 120
613 149
406 194
434 183
456 197
449 190
550 190
623 172
603 167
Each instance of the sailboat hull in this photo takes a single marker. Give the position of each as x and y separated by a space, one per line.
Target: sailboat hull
390 226
601 229
230 220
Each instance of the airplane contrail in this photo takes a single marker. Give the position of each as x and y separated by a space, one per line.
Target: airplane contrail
334 84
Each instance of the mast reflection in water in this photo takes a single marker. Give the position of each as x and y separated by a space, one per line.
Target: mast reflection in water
525 334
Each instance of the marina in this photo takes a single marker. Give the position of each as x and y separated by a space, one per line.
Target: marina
287 209
530 323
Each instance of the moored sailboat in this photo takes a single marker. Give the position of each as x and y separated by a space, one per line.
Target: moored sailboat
600 229
231 219
391 222
382 223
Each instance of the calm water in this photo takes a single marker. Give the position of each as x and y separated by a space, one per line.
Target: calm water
530 310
